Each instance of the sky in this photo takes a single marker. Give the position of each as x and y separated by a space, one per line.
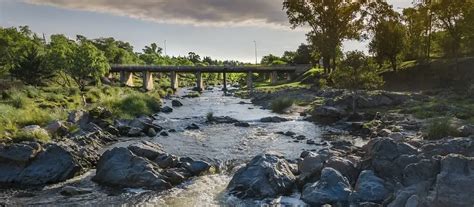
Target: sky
222 29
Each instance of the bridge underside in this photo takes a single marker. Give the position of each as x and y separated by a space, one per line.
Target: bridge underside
126 73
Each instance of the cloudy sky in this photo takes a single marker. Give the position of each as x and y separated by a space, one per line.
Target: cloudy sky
223 29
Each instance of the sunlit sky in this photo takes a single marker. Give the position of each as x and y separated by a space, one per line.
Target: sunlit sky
222 29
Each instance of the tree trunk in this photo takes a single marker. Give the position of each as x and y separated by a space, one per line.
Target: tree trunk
354 102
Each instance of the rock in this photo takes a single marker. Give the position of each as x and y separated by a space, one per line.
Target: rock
166 161
443 147
265 176
146 149
192 127
57 163
223 120
384 133
172 130
120 167
344 166
134 132
466 130
176 103
34 129
413 201
385 157
310 142
397 136
242 124
332 188
151 132
198 167
79 117
73 191
423 170
454 183
311 166
369 187
165 134
19 152
273 119
174 176
290 133
328 113
167 109
57 127
300 137
401 196
100 113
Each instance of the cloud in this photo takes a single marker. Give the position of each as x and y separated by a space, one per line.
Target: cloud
194 12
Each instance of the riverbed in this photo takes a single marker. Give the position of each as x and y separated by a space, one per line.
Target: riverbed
225 145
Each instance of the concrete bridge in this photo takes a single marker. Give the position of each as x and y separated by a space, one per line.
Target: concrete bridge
126 73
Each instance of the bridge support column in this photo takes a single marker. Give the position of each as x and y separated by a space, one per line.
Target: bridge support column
199 81
224 77
147 81
249 82
274 77
288 76
174 80
126 78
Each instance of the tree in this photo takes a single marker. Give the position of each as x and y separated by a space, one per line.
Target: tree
88 62
289 57
117 52
449 16
30 67
13 41
269 59
388 42
331 22
303 55
193 57
59 53
415 21
356 73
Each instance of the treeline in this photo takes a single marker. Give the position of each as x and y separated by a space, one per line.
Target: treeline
33 60
428 29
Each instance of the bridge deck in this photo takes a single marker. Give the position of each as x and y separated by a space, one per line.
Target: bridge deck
206 69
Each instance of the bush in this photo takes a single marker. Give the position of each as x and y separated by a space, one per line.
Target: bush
32 136
279 105
20 101
210 117
136 105
440 128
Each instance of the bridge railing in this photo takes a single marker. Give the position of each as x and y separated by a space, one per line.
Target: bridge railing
229 68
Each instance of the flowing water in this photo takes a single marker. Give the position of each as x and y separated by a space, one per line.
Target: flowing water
218 143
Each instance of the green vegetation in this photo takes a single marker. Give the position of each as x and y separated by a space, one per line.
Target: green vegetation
281 104
440 128
210 116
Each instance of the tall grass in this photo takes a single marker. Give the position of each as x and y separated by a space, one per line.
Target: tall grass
440 128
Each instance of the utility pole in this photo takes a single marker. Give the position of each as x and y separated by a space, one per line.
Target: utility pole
256 57
165 49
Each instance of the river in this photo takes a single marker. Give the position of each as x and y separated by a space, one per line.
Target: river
225 144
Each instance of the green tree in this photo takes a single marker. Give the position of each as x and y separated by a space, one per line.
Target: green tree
449 16
303 55
117 52
88 63
416 22
30 67
269 59
388 42
59 53
331 22
355 73
193 57
13 41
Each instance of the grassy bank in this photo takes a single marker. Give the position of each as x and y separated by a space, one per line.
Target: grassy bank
28 105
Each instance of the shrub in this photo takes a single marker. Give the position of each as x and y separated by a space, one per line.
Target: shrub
279 105
440 128
32 136
136 105
210 117
20 101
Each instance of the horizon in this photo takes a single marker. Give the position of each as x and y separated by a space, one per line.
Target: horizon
223 31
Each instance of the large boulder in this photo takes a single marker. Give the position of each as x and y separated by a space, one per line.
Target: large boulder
443 147
146 149
310 167
79 117
57 163
346 167
423 170
388 158
121 167
273 119
266 175
454 184
328 113
176 103
466 130
369 187
332 188
13 159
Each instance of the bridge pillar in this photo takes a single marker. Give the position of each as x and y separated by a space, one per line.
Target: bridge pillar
174 80
147 81
224 77
274 77
126 78
249 82
288 76
199 81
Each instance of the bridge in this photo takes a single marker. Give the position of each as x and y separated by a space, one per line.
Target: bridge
126 73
